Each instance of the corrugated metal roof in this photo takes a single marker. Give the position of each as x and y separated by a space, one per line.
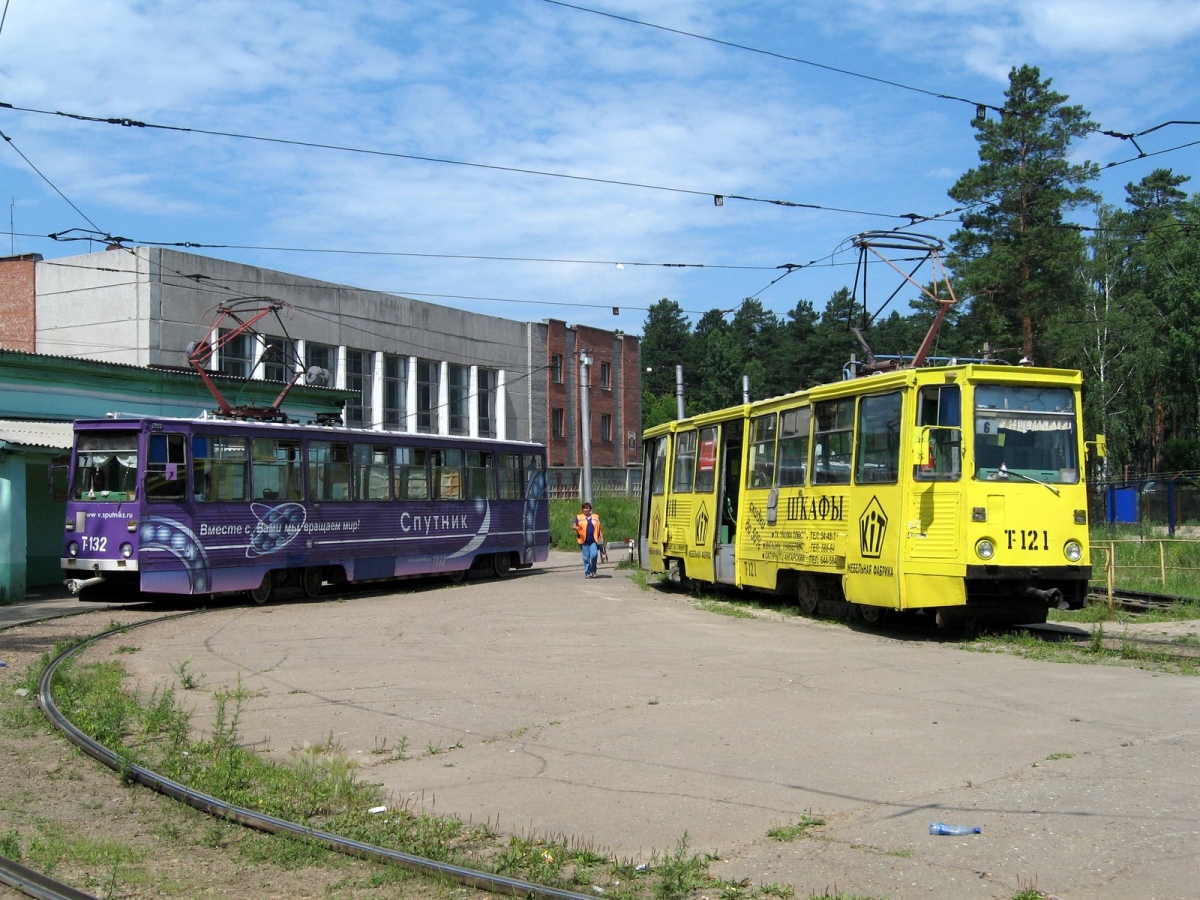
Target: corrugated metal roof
175 371
37 434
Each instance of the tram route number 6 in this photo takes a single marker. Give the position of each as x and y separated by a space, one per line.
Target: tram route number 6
93 544
1031 539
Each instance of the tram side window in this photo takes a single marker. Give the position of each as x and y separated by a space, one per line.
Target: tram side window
447 467
685 462
372 480
511 487
535 478
760 473
658 470
793 446
328 471
481 475
412 473
940 408
878 440
219 468
277 469
166 469
833 440
706 461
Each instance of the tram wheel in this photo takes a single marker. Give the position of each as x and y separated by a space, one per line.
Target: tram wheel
263 593
457 576
872 615
311 581
808 597
502 564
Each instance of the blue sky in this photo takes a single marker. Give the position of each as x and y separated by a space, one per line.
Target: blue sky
534 85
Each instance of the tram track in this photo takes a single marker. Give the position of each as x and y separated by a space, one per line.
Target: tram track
1137 601
39 885
480 880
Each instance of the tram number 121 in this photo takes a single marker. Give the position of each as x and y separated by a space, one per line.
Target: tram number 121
1031 539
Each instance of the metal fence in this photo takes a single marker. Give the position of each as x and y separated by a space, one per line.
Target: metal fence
1158 505
565 482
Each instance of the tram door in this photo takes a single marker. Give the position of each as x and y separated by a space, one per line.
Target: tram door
652 522
730 468
875 516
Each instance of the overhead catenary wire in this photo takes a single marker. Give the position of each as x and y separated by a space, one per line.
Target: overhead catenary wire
721 195
940 95
84 235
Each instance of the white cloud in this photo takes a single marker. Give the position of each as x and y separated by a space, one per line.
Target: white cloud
530 85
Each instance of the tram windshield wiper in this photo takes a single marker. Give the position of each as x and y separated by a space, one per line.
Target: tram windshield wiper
1004 472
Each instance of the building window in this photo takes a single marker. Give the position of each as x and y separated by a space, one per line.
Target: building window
322 356
606 428
460 392
279 359
427 396
395 392
488 381
358 379
606 375
556 368
237 356
558 423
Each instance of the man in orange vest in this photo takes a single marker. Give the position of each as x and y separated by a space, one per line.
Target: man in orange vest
590 537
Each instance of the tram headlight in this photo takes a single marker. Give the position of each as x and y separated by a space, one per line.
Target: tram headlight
1073 551
72 549
985 549
127 550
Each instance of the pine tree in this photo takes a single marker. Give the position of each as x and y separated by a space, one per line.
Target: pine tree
666 343
1015 256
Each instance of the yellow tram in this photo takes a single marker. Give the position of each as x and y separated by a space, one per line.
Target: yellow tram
955 490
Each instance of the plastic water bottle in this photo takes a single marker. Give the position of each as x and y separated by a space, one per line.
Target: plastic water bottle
943 828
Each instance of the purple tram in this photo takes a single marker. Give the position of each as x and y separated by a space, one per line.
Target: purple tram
213 506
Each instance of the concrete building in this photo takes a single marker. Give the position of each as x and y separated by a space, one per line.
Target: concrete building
417 366
399 364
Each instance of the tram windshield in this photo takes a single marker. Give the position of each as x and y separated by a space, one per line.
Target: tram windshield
1026 433
106 467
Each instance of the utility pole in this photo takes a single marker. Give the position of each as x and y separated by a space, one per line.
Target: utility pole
679 392
585 425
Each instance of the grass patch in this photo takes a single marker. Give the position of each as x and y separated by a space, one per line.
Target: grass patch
1098 611
1140 560
319 786
725 608
796 829
1100 649
618 519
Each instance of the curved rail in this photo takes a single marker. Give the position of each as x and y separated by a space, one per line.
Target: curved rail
270 824
35 884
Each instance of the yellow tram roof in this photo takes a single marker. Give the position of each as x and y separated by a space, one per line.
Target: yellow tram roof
968 372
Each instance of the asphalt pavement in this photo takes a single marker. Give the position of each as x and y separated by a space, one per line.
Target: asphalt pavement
626 718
